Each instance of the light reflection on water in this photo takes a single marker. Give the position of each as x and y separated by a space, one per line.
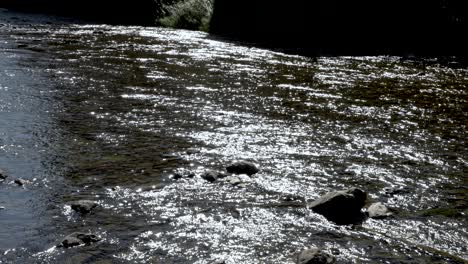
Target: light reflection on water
137 100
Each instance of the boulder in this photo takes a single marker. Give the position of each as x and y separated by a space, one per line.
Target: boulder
78 239
242 167
378 211
315 256
342 207
83 206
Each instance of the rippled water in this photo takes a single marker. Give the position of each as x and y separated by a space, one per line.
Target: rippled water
109 114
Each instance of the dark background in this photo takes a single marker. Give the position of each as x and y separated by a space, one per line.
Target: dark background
335 27
429 27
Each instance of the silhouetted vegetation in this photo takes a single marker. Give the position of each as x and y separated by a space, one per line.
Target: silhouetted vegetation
366 27
421 27
139 12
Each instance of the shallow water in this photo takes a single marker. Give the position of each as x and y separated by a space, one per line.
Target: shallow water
109 113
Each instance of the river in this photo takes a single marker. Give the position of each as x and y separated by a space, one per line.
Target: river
111 113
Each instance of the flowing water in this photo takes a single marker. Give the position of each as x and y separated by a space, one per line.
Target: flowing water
109 114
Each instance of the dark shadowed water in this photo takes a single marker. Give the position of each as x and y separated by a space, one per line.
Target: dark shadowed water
109 113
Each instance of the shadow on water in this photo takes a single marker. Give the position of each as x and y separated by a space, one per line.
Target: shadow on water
130 105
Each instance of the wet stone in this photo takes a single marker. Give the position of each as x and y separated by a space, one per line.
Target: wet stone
212 176
342 207
315 256
391 191
242 167
233 180
236 213
183 173
78 239
83 206
192 151
3 175
20 182
378 211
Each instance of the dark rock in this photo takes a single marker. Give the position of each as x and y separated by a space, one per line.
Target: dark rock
20 182
210 176
182 173
3 175
378 211
236 213
341 207
71 241
242 167
177 176
78 239
391 191
315 256
192 151
83 206
335 251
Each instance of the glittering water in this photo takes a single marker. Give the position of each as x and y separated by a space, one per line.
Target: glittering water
109 114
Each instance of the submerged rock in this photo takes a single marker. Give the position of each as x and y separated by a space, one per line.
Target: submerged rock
315 256
242 167
20 182
78 239
183 173
341 207
192 151
378 211
391 191
3 175
83 206
210 176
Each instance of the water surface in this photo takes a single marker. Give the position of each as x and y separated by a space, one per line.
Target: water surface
109 113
